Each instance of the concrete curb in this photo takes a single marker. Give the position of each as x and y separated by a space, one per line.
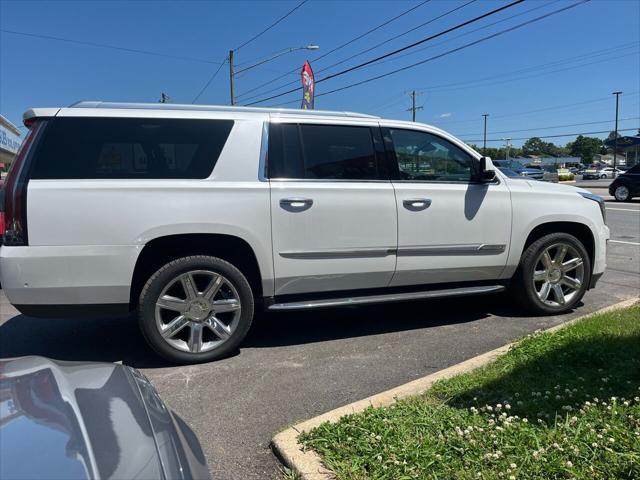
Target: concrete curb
308 465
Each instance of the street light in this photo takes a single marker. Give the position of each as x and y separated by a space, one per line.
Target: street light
233 73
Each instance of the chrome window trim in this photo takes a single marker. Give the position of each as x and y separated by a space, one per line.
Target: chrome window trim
326 180
264 148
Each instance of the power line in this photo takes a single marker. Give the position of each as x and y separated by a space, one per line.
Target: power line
488 37
103 45
272 25
562 61
484 27
227 59
206 85
541 74
362 52
371 30
550 127
553 136
545 109
394 52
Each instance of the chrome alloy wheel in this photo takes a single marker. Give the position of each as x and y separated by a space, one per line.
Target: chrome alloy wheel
198 311
558 274
622 193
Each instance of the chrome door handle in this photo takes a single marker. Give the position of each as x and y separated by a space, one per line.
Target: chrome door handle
416 204
296 204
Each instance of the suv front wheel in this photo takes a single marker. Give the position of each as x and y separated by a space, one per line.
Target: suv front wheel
553 274
196 309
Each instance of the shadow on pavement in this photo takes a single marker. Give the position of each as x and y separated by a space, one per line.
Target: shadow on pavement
118 339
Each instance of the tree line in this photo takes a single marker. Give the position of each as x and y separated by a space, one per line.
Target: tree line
584 147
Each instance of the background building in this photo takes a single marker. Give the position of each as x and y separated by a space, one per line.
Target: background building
9 143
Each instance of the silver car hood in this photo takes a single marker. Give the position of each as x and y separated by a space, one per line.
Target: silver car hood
87 421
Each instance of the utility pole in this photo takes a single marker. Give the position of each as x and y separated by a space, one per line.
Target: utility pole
231 74
507 144
484 146
615 141
413 106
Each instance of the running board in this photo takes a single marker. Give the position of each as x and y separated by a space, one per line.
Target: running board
389 297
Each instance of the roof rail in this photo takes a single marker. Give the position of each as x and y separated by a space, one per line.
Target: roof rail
214 108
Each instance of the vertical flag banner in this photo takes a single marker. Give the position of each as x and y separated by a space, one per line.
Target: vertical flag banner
308 86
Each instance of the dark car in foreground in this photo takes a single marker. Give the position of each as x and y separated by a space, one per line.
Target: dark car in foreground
89 421
626 185
531 173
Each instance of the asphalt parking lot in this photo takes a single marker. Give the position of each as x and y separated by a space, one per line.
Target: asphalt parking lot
294 366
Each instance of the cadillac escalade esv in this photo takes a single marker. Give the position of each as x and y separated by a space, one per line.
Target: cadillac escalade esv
195 216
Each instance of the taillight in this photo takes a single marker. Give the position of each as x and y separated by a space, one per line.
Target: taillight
1 224
15 193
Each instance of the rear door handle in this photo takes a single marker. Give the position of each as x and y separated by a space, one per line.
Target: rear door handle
296 204
416 204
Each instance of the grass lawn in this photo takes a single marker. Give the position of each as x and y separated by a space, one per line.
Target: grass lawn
557 406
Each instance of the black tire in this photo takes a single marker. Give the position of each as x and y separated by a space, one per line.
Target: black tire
523 287
603 176
163 277
619 193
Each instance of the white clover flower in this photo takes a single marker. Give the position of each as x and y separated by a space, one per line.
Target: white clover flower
507 406
611 439
513 466
569 464
379 458
524 420
594 445
378 437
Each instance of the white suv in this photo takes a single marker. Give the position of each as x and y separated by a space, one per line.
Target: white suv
193 215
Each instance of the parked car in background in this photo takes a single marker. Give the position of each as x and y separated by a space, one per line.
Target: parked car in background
609 172
194 216
531 173
626 185
72 420
591 173
510 173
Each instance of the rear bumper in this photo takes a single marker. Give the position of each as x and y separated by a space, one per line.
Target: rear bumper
67 275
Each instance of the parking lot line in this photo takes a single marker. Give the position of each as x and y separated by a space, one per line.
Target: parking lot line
622 241
624 209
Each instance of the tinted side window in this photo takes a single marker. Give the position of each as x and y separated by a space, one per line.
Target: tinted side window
422 156
338 152
284 158
322 152
119 148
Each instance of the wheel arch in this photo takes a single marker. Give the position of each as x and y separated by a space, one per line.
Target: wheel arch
579 230
161 250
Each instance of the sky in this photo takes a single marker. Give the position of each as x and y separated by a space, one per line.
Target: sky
553 76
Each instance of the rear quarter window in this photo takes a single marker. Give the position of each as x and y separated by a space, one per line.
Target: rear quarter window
129 148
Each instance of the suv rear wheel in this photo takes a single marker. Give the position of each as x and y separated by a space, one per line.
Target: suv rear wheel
553 274
196 309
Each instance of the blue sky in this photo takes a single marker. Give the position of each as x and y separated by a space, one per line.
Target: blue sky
557 72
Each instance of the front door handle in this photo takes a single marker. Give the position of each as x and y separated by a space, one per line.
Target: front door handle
416 204
296 204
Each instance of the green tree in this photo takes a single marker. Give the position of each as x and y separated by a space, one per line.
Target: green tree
534 146
585 148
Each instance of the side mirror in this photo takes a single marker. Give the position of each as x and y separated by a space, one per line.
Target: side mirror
484 175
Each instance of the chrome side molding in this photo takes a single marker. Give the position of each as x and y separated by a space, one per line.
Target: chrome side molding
388 297
471 249
339 253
